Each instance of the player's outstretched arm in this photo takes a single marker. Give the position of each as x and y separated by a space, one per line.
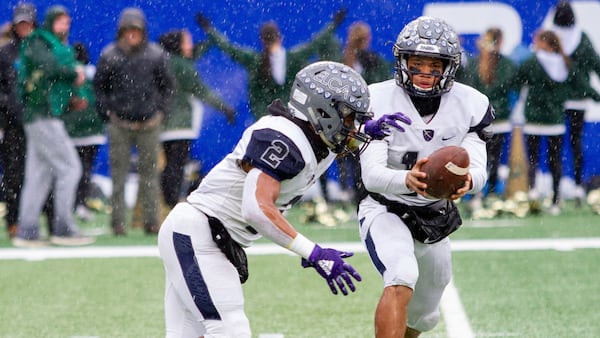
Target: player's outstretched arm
259 210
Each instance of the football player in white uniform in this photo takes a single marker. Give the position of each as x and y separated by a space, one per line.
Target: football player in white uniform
243 198
404 230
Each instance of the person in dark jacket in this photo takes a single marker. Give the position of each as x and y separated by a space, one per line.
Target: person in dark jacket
12 147
49 80
133 86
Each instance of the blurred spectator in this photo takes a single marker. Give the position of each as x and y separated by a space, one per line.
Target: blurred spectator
373 68
358 55
271 71
183 122
12 147
133 86
6 32
584 60
491 73
49 77
86 130
545 74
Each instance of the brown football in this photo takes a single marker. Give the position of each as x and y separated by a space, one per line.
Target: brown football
446 170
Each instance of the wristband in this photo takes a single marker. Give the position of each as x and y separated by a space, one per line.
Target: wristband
301 246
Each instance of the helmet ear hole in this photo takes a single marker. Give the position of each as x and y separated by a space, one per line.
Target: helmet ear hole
323 113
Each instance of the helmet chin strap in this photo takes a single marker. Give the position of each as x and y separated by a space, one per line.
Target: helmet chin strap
330 145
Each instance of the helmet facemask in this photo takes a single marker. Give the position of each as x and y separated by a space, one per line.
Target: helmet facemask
349 139
341 130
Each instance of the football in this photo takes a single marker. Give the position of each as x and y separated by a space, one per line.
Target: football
446 170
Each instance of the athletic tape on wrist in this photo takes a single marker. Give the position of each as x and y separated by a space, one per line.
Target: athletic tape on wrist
301 246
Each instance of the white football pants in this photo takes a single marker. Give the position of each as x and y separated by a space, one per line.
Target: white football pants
203 293
401 260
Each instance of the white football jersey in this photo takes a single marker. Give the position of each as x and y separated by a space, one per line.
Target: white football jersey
462 115
274 145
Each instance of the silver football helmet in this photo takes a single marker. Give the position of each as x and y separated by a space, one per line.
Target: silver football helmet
325 94
427 36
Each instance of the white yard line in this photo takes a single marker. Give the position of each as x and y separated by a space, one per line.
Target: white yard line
455 318
561 244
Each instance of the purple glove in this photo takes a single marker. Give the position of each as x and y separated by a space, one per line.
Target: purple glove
380 128
330 265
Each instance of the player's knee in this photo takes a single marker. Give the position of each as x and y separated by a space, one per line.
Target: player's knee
402 294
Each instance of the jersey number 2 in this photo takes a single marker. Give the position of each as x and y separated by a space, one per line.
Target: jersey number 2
275 153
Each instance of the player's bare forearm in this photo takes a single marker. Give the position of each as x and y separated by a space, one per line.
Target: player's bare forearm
267 192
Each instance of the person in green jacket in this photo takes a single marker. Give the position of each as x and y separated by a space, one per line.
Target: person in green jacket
183 123
86 129
545 74
373 67
49 77
271 71
584 61
491 73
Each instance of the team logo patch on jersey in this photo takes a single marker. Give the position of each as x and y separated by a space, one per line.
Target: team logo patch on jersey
428 134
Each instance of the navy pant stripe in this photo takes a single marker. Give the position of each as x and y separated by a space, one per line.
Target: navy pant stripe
193 277
371 249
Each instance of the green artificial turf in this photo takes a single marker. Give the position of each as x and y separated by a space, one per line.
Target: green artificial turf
534 293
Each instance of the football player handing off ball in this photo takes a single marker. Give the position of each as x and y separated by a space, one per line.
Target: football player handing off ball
202 240
405 229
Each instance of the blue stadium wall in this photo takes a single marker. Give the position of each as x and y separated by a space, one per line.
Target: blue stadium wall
94 22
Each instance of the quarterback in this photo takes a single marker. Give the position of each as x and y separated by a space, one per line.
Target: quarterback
243 198
405 230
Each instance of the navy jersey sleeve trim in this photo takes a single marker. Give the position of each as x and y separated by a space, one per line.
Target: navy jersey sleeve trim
484 127
274 153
